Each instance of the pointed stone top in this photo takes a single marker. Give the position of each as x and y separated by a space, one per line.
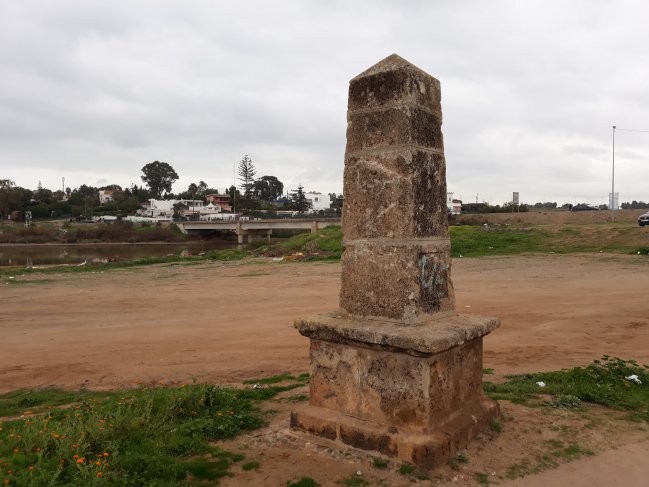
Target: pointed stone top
390 63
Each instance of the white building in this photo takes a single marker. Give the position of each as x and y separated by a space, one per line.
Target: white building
318 200
454 206
165 209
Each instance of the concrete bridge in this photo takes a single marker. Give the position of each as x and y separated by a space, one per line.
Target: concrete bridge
257 228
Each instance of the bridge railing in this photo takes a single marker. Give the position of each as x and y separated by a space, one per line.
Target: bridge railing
265 217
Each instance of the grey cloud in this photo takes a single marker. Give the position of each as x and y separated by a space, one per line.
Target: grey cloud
530 91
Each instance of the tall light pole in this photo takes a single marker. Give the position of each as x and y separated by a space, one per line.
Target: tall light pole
612 202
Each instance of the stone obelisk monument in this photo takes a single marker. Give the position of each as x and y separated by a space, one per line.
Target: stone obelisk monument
396 370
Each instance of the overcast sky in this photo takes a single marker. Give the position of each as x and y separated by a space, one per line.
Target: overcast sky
93 91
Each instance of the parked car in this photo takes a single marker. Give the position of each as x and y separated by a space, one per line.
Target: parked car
643 219
584 207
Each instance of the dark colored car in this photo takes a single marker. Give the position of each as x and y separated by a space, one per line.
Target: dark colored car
584 208
643 219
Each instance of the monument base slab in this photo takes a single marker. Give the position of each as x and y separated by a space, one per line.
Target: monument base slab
424 450
412 392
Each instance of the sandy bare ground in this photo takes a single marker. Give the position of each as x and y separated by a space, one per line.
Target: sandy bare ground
228 322
233 321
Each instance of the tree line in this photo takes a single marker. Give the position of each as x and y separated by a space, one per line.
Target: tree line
253 196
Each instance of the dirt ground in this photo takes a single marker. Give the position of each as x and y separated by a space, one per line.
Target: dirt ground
227 322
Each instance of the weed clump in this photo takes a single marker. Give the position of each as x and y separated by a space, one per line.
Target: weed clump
303 482
157 436
611 381
378 463
564 401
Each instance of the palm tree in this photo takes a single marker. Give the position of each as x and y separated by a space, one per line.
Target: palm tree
193 189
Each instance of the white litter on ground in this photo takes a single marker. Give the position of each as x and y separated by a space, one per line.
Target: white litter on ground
634 378
540 384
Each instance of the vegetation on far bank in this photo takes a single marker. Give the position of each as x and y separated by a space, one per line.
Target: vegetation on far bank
466 241
119 231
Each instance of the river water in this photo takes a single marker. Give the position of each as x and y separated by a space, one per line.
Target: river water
45 254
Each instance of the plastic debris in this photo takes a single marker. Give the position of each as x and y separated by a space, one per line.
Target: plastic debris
540 384
256 386
359 473
634 378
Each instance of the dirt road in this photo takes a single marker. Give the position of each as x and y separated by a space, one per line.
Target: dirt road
233 321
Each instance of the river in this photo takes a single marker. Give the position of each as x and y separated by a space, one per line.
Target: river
46 254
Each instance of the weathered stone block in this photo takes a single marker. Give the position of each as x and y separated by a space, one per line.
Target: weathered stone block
419 392
408 282
397 84
396 126
396 194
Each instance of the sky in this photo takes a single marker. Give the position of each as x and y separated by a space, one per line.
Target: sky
93 91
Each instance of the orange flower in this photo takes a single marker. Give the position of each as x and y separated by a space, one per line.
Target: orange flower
105 454
136 382
38 449
15 451
76 456
31 468
99 474
160 382
219 414
80 460
97 463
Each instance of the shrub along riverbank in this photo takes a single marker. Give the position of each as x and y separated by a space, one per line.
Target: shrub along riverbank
120 231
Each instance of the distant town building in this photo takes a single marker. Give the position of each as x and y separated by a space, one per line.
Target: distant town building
223 200
454 206
318 200
106 196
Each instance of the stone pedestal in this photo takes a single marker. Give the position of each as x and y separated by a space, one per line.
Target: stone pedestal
395 370
413 393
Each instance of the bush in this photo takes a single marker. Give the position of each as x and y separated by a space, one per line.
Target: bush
28 235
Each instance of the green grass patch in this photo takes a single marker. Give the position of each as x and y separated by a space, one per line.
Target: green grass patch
271 380
482 478
495 426
298 398
250 466
158 436
353 481
406 468
487 371
378 463
254 275
303 482
608 381
225 255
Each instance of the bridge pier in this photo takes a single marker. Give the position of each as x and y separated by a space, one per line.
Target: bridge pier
252 233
